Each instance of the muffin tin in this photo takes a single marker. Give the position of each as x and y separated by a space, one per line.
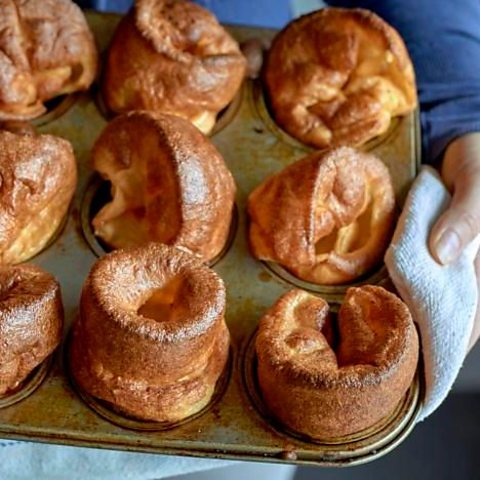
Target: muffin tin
236 424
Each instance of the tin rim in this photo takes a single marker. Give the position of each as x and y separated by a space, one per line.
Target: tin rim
223 119
56 107
259 99
108 412
357 448
34 379
228 114
378 276
97 194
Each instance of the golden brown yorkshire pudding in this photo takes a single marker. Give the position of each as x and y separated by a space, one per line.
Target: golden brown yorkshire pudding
38 178
46 50
338 76
327 217
327 387
172 56
151 338
31 321
169 185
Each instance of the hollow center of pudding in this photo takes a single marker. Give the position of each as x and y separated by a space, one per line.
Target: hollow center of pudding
163 302
145 192
313 328
356 235
326 244
351 237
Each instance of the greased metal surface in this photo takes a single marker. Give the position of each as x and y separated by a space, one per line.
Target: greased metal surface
236 425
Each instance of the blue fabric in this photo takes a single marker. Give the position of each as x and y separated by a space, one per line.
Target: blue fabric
266 13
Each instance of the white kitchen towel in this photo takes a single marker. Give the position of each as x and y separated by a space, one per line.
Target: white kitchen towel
442 298
36 461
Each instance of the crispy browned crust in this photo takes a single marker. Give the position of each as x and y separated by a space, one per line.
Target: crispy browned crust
169 184
327 218
338 76
163 369
329 392
46 50
172 57
38 179
31 321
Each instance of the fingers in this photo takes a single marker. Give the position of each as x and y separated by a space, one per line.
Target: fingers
460 224
476 323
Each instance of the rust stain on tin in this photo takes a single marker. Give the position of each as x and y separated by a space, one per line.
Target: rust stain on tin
264 277
289 454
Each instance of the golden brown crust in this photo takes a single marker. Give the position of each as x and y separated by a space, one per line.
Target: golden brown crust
31 321
169 185
38 179
162 368
46 50
172 57
327 217
328 388
338 77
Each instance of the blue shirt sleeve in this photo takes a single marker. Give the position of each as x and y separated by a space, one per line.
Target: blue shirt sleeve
263 13
443 38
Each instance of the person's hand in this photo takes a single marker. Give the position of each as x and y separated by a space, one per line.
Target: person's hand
460 224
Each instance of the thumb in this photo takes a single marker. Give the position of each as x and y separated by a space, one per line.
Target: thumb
460 224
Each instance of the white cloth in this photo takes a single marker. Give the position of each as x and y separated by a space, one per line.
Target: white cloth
28 461
442 299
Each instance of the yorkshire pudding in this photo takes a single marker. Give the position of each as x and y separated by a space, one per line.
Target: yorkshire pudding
327 218
46 50
338 76
169 185
326 387
151 338
38 178
172 56
31 321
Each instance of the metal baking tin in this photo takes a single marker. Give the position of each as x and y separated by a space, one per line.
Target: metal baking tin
236 425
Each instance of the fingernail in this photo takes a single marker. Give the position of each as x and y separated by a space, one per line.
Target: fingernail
448 246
